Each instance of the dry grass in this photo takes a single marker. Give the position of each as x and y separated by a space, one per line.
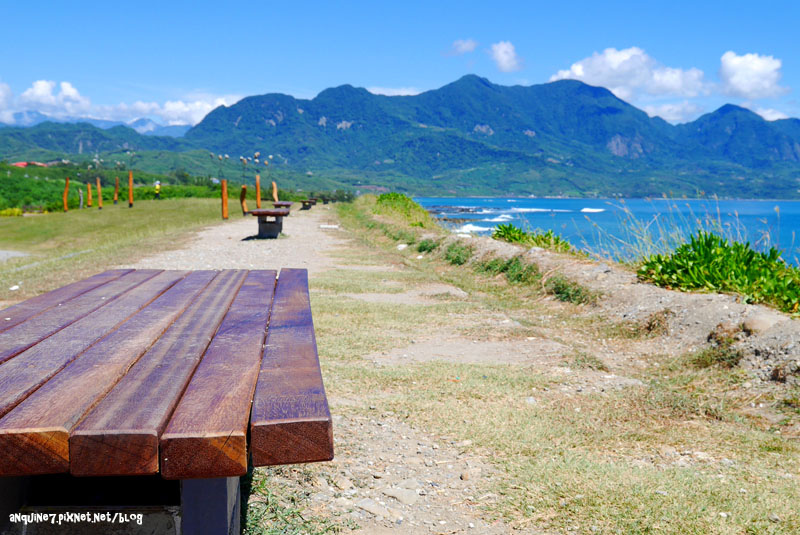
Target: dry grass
668 456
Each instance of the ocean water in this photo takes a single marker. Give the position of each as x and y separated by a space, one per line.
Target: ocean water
628 228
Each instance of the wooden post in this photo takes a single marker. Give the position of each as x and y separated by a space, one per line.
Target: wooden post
116 189
243 199
89 196
224 198
66 192
130 189
274 191
99 195
258 191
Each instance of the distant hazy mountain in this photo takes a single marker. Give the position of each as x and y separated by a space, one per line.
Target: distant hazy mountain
476 137
143 126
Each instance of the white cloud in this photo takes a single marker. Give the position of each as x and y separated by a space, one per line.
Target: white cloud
771 114
674 112
64 100
631 72
463 46
750 75
394 91
505 57
6 96
41 96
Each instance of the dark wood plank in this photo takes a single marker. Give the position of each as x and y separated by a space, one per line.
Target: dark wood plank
19 338
16 314
34 436
207 434
290 421
266 212
120 435
20 376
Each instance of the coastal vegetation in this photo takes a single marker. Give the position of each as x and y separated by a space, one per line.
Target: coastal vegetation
708 262
673 452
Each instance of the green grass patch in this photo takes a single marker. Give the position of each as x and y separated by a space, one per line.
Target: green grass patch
427 245
711 263
569 291
546 240
457 253
405 208
515 269
65 247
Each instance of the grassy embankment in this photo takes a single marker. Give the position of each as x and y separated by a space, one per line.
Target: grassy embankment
674 454
65 247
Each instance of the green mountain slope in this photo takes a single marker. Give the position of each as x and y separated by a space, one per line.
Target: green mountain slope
468 137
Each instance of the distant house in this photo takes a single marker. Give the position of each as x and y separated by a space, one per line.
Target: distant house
26 164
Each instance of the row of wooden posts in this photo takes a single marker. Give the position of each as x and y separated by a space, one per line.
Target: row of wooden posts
100 192
224 183
243 196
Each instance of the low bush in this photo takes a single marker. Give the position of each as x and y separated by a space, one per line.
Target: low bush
405 208
515 269
457 253
427 245
712 263
546 240
568 291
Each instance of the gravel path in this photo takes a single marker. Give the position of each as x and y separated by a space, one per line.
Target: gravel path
387 476
231 245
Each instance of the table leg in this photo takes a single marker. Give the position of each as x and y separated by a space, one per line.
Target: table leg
13 493
269 229
210 506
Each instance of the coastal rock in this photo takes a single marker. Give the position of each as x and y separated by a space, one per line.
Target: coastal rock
404 496
759 322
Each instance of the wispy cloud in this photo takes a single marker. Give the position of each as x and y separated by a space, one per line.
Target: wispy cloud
463 46
674 112
60 100
505 56
394 91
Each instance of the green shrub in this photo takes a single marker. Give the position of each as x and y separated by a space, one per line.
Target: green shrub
545 240
427 245
571 292
510 233
457 253
515 269
722 354
11 212
711 263
404 207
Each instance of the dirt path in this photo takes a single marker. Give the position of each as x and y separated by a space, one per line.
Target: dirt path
387 476
393 476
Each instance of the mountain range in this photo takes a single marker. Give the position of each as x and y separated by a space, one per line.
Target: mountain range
468 137
143 125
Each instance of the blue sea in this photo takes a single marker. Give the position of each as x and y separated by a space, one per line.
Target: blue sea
624 229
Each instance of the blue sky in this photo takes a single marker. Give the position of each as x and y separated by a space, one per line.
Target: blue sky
174 61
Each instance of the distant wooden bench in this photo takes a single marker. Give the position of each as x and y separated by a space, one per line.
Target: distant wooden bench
282 204
308 203
152 373
270 222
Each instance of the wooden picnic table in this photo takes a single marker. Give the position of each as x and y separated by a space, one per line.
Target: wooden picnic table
282 204
270 221
308 203
178 374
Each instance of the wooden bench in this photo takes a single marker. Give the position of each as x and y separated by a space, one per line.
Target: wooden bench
270 222
162 375
308 203
282 204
